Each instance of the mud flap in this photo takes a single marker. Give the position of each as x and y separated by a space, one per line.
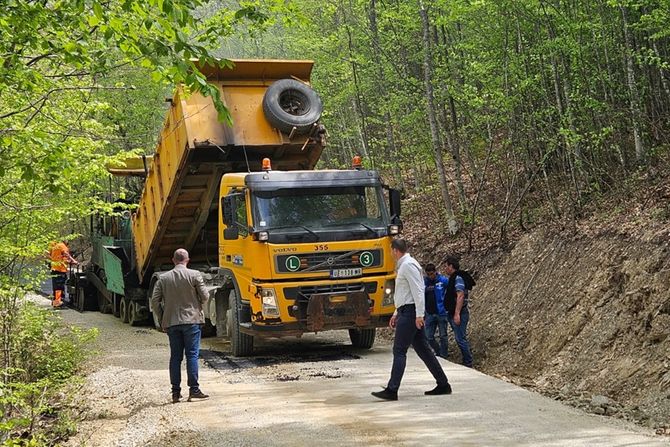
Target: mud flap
332 310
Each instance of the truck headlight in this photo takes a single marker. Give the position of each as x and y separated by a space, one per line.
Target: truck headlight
389 289
269 301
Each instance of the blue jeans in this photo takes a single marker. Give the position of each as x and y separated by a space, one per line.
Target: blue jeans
434 321
407 334
184 338
460 334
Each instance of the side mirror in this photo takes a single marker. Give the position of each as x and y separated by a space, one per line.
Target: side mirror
394 199
228 207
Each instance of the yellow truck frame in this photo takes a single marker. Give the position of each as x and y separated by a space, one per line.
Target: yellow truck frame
205 189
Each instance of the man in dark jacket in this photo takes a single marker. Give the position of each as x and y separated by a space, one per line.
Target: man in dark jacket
436 314
456 303
178 298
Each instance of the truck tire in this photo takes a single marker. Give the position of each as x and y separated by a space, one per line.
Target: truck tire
123 310
362 338
134 317
208 329
103 305
88 300
81 299
289 104
223 314
157 324
241 344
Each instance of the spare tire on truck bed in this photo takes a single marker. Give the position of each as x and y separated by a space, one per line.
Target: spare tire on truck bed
289 104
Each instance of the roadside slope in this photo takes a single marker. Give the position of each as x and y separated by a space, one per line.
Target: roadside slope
580 317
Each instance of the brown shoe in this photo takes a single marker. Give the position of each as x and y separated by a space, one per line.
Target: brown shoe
176 397
197 395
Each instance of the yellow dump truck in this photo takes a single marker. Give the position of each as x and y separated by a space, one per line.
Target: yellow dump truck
284 249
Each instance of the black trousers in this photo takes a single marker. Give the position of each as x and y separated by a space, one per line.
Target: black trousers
58 280
407 334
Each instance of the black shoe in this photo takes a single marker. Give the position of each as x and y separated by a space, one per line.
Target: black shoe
176 397
386 394
197 395
440 389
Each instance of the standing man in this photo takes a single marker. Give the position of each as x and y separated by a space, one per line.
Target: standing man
436 314
59 255
456 303
178 298
408 323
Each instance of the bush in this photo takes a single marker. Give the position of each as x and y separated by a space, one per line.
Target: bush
40 356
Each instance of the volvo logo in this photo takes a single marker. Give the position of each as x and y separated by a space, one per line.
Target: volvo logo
330 260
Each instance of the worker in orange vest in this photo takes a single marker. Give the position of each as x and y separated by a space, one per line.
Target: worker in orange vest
60 257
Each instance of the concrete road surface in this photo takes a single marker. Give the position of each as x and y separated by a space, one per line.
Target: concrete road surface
296 399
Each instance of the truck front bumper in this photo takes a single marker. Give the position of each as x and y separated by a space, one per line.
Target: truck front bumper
322 312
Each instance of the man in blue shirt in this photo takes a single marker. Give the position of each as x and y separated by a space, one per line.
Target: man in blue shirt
456 303
436 314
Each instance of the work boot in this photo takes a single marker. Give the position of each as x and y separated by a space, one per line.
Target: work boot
440 389
197 395
57 302
385 394
176 397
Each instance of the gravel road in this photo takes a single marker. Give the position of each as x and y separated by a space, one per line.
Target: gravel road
309 391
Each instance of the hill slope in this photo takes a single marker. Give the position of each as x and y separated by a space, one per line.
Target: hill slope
578 316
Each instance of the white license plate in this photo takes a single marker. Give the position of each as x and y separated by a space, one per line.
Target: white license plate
346 273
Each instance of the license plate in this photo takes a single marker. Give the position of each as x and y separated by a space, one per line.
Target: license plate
346 273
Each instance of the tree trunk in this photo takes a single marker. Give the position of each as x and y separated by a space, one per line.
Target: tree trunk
358 102
452 135
640 150
391 148
452 224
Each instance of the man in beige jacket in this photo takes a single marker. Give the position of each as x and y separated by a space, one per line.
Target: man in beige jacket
178 298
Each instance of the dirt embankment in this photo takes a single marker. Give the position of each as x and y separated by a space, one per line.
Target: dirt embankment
583 318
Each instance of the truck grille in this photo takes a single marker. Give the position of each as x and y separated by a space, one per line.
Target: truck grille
306 291
326 261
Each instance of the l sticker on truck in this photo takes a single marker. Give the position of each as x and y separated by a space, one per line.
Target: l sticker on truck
238 260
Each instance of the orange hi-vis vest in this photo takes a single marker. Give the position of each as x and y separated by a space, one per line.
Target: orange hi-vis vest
58 254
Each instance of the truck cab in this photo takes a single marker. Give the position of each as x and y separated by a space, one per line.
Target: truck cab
307 251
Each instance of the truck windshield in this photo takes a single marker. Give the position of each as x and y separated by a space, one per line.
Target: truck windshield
334 209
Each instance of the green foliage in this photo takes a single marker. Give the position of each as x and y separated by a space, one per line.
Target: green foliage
41 357
82 84
538 92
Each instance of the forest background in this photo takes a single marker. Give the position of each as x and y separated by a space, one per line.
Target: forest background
495 117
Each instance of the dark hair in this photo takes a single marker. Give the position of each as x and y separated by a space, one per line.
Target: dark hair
400 245
453 261
430 267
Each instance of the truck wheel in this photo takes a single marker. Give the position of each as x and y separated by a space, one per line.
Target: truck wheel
103 305
223 314
289 103
123 310
88 300
208 329
157 324
242 344
362 338
116 304
134 314
78 303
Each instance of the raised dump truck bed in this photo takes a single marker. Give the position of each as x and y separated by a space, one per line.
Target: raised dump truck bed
178 204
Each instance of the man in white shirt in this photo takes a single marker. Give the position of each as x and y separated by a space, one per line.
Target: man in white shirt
407 320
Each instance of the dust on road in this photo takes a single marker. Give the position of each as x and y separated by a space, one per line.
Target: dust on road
315 390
